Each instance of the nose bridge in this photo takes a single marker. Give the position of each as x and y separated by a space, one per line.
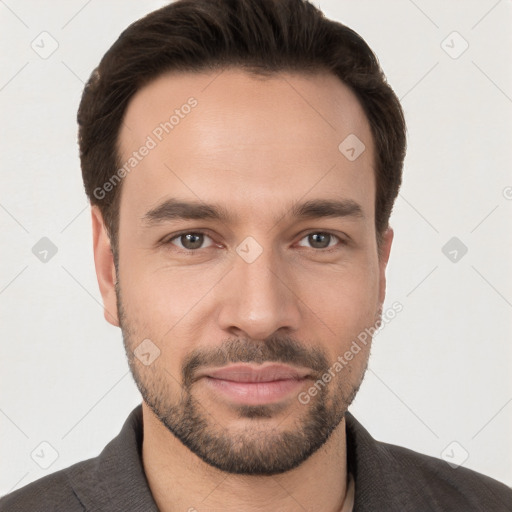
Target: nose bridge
257 300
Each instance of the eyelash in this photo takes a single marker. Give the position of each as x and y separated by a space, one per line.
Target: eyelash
168 241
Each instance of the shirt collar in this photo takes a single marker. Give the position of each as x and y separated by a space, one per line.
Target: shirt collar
379 485
115 480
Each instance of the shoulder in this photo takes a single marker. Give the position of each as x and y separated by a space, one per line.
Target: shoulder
450 486
53 492
113 480
390 477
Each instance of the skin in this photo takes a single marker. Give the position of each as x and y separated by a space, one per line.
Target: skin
255 146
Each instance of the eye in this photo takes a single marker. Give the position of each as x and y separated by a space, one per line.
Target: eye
192 241
189 241
321 240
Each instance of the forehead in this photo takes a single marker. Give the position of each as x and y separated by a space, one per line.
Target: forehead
230 137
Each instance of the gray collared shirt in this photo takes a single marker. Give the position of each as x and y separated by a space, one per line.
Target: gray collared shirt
387 479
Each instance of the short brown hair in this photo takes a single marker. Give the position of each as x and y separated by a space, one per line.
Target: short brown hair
260 36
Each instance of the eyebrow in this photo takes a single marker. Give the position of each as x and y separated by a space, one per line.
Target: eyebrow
176 209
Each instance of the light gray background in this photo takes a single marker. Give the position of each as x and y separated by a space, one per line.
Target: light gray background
439 372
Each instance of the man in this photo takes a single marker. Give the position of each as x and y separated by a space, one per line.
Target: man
242 159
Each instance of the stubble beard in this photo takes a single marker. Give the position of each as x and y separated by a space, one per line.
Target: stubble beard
261 448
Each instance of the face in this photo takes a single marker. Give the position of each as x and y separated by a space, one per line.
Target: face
246 243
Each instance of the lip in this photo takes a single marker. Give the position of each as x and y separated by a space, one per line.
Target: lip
262 373
255 385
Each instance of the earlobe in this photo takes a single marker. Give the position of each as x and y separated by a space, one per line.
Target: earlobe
105 268
387 240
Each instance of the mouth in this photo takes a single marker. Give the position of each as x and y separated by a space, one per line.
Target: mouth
255 385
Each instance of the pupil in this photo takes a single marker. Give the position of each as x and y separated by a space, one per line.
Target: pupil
190 243
315 237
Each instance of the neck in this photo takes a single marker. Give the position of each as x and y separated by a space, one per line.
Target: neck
179 480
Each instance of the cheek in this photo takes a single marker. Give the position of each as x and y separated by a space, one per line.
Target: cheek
166 305
345 295
161 293
346 304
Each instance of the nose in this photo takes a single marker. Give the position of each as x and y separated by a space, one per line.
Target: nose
258 298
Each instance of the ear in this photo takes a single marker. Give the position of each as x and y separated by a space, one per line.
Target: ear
387 240
105 268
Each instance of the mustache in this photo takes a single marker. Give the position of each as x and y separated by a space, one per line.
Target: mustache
275 349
